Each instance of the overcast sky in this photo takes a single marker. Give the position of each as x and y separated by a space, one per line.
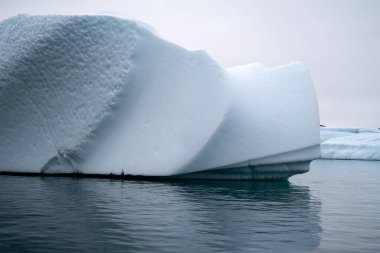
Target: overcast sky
339 40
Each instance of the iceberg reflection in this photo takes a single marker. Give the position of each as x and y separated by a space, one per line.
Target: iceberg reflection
182 216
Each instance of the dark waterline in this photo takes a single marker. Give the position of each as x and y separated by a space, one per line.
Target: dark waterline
335 207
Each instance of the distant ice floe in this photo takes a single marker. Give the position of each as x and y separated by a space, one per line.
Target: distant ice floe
104 95
350 143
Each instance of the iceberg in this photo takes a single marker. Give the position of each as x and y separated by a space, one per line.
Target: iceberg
350 143
103 95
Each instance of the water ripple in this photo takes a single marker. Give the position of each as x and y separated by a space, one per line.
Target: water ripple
317 211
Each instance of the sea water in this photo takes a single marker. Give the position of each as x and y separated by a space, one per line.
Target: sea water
333 208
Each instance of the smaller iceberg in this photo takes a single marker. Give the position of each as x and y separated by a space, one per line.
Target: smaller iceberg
350 143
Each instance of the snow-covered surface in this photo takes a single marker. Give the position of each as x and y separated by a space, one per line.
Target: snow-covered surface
350 143
101 95
326 135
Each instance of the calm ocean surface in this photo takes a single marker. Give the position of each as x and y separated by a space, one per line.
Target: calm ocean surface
333 208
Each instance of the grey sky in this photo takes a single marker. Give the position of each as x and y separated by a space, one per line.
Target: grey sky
339 40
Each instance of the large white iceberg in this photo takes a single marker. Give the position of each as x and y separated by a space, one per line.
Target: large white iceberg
103 95
350 143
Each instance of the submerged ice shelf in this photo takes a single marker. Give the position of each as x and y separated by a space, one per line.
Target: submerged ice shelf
101 95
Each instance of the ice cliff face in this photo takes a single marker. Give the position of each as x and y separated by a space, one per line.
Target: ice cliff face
267 106
101 95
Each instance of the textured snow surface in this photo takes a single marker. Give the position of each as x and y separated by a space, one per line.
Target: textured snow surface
350 143
101 95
